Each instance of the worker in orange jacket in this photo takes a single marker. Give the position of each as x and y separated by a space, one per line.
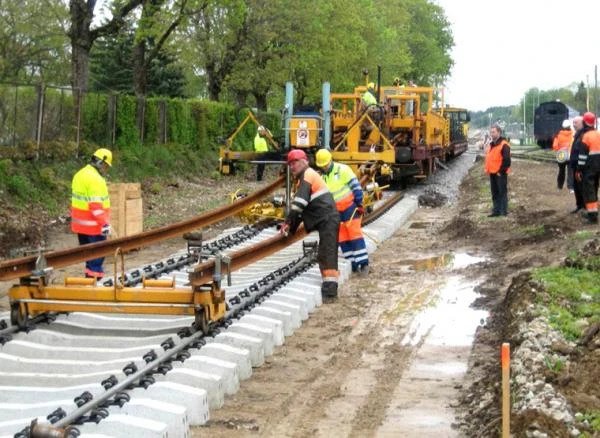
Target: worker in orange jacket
313 204
561 145
588 165
497 166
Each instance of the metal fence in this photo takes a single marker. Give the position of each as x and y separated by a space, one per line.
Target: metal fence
39 114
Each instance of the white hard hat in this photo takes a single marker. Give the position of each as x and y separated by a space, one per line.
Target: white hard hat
566 123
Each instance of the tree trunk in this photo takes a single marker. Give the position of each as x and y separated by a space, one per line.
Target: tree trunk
214 82
261 101
82 14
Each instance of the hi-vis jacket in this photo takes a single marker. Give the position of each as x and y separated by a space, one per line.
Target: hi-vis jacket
260 144
589 150
497 157
344 186
312 203
90 205
563 140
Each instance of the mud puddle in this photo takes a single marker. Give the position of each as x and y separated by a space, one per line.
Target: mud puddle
442 334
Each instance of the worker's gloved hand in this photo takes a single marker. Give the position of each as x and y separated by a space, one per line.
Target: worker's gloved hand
578 176
360 210
106 230
284 229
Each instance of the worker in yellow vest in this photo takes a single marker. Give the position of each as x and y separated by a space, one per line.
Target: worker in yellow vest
90 206
260 145
348 196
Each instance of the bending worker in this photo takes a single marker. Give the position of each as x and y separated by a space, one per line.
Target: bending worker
348 196
314 205
260 145
90 206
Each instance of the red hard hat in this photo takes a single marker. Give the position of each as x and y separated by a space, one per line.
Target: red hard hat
589 119
296 154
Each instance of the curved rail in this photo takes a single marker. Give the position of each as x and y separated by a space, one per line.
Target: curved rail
24 266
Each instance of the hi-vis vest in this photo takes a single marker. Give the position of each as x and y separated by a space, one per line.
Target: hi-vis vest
260 144
339 182
90 205
493 158
562 145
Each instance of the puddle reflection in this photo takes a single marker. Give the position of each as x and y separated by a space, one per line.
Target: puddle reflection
451 322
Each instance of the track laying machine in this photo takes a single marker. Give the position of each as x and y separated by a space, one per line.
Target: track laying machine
405 135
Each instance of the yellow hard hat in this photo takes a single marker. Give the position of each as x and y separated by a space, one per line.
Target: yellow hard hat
323 158
104 155
371 85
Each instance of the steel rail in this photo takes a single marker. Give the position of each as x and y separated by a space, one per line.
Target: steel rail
203 272
24 266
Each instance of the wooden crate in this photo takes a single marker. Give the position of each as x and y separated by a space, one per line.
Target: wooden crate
126 209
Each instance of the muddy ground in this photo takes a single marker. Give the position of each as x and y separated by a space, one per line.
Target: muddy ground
344 373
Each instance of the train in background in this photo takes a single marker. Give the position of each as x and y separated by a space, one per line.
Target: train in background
407 134
548 120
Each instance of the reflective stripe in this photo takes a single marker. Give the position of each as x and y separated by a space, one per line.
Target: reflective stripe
300 201
97 212
318 193
296 208
84 222
330 279
594 152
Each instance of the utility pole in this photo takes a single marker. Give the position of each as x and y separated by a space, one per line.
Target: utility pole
524 119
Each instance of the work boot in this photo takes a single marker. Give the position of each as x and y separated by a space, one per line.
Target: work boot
329 291
363 270
592 217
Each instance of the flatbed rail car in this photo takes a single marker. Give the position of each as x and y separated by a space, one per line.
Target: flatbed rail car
404 135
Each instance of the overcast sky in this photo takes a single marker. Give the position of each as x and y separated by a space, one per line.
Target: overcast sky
504 48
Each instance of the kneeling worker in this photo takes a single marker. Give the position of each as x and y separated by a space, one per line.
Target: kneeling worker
313 204
90 206
348 196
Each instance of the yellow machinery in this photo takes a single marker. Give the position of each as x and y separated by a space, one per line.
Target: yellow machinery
33 296
403 132
228 156
273 209
458 129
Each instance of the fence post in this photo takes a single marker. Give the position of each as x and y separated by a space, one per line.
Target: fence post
41 91
162 108
112 119
78 127
141 116
14 136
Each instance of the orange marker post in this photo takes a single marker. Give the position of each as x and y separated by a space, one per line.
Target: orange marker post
505 390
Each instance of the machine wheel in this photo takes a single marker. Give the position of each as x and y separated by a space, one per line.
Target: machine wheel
17 317
201 320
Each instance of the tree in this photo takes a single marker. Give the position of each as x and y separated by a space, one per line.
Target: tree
217 32
82 35
32 41
111 68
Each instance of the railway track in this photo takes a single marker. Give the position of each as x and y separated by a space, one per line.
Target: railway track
117 375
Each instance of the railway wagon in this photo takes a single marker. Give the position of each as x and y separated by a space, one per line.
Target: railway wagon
548 121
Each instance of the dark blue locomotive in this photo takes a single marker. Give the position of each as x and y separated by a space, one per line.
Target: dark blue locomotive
548 121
